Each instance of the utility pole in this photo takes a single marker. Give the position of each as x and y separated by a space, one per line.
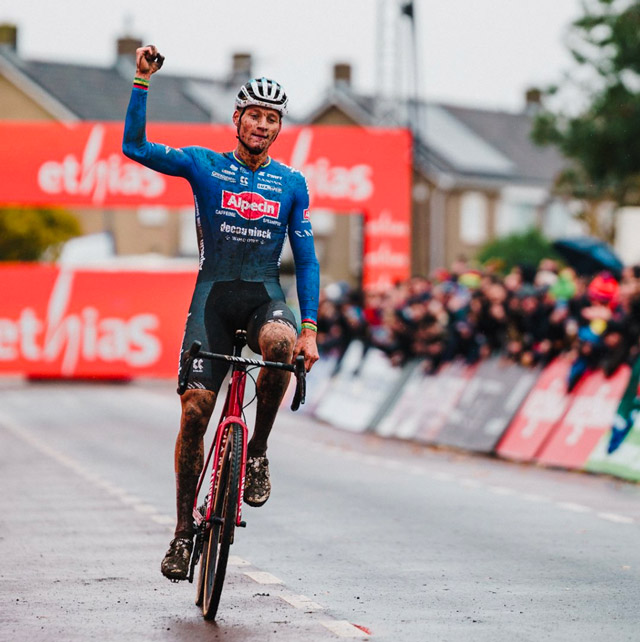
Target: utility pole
397 63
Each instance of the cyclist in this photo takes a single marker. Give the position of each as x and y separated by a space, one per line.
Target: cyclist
246 203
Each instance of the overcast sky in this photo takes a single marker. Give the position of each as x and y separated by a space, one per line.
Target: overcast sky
472 52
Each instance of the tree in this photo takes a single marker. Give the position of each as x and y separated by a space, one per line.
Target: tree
528 248
603 139
28 234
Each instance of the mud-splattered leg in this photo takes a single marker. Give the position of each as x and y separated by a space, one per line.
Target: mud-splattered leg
197 406
276 344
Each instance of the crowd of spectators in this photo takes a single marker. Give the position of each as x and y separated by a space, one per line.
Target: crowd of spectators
531 315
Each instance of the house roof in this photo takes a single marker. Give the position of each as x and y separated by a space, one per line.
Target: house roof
102 93
510 133
460 144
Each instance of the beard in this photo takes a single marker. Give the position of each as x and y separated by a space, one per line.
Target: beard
254 150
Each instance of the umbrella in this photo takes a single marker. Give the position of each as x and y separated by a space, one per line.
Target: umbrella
587 255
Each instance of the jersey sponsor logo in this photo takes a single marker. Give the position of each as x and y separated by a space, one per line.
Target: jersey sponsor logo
222 177
303 233
305 215
250 205
271 188
245 231
244 181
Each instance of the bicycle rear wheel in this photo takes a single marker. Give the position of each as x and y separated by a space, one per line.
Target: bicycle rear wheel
216 549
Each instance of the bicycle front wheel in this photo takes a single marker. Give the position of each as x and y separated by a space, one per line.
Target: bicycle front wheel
224 521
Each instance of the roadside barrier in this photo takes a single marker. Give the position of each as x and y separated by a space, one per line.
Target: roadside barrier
359 389
589 416
495 407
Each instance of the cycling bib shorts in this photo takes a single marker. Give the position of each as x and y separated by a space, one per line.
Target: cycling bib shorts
217 310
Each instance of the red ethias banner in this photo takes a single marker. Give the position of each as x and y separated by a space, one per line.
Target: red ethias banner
348 169
590 415
92 324
541 411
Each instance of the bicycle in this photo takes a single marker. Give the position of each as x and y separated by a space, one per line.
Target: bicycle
216 519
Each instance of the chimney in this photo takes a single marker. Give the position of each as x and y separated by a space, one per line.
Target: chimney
127 46
533 101
9 36
240 68
342 75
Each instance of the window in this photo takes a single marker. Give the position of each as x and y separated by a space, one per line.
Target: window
474 216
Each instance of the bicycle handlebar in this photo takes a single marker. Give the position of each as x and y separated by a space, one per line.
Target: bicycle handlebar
297 368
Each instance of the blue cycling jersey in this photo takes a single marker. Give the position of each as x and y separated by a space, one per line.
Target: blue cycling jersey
242 216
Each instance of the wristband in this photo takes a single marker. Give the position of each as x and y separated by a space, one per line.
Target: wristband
308 324
141 83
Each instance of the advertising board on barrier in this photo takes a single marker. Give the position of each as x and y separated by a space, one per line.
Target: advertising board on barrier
543 408
348 169
318 380
422 408
356 393
82 323
487 404
590 415
624 461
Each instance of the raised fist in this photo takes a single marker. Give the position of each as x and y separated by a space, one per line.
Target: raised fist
148 61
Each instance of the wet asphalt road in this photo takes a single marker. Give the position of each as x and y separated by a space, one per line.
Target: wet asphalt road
361 534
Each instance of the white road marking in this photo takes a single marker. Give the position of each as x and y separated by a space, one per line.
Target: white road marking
235 560
344 629
145 509
470 483
165 520
442 476
262 577
618 519
301 602
129 500
575 508
502 490
533 497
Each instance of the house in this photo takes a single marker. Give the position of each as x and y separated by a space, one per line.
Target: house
476 173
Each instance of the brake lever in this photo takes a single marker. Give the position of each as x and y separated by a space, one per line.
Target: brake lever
183 381
301 384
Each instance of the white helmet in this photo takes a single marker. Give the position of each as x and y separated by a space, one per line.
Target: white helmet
263 93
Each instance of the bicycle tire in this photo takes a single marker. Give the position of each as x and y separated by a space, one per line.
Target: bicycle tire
204 556
221 532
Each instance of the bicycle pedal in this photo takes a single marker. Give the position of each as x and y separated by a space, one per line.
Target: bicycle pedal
242 524
217 520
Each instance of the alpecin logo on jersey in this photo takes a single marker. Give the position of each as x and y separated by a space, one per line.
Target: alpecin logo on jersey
250 205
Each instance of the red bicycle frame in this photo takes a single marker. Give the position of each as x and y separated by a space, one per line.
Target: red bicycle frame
231 413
